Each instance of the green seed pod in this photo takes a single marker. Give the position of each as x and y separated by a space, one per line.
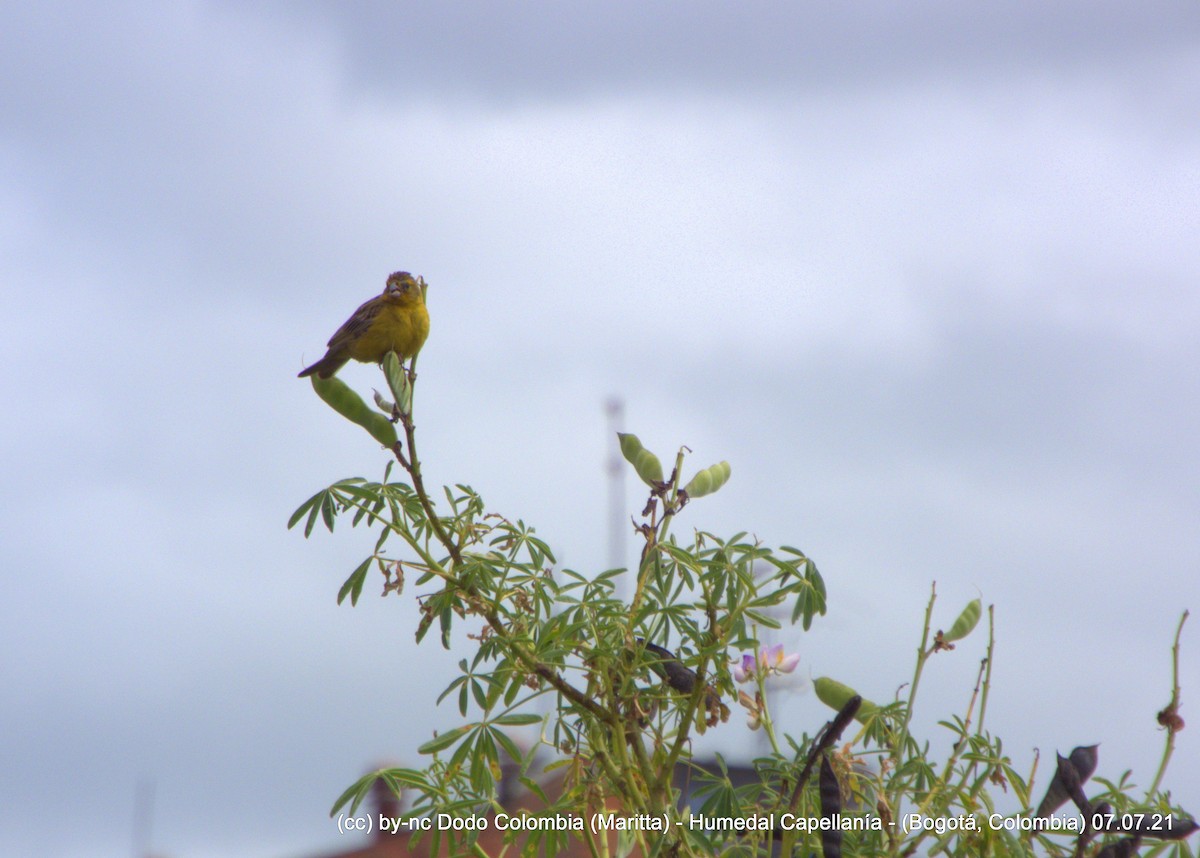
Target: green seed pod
709 480
644 462
835 695
965 623
398 381
338 395
699 485
648 468
381 429
631 446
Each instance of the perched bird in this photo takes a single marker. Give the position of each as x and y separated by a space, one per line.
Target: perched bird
394 321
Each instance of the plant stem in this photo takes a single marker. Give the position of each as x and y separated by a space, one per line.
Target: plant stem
412 464
1172 709
922 655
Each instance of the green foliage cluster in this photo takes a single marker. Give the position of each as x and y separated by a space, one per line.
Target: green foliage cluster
631 681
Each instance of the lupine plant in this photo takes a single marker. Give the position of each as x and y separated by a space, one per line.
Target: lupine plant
631 681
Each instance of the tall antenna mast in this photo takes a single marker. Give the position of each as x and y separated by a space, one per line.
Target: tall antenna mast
143 817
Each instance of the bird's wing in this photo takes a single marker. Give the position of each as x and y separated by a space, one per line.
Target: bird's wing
357 324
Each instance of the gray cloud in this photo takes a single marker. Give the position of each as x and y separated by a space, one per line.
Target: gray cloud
545 50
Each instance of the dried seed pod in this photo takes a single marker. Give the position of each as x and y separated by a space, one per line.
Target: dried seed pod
831 805
681 678
1069 776
1126 848
1072 773
1084 759
1153 826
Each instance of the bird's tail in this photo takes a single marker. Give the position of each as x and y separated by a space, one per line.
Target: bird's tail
324 368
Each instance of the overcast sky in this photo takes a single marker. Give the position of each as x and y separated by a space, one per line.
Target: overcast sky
925 274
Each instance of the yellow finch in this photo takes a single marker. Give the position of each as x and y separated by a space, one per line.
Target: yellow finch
395 321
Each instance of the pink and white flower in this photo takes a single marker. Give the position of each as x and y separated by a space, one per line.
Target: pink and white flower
770 660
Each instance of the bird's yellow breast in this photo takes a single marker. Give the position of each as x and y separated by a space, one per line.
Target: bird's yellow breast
400 326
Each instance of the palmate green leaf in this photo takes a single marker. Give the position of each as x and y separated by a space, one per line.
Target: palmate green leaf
445 740
763 619
681 555
396 779
1020 788
575 580
788 568
423 626
355 793
358 488
506 743
513 688
481 692
457 682
486 648
324 504
810 600
814 577
361 512
518 719
497 683
338 496
772 598
543 552
329 511
309 506
466 758
484 760
354 584
605 580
